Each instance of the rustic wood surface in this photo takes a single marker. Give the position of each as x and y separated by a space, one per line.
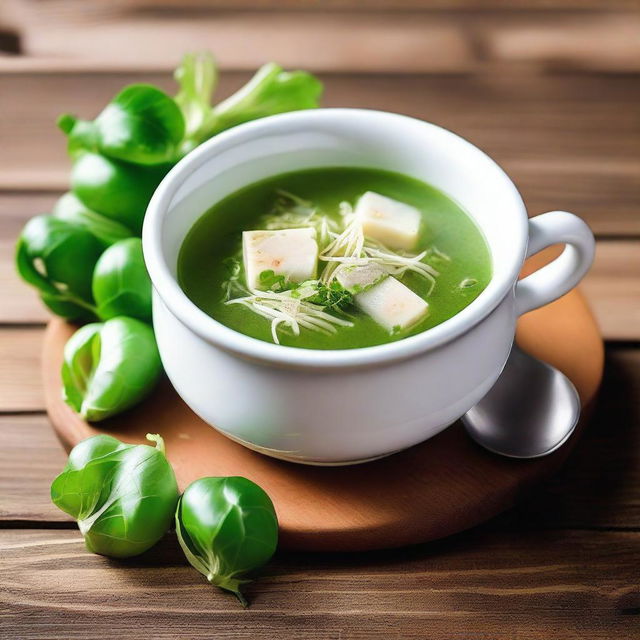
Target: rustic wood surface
551 90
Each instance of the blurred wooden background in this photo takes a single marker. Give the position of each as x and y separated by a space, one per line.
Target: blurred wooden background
403 36
551 89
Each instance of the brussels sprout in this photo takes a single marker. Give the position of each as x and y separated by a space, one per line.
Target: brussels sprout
121 284
118 190
122 495
70 209
109 367
227 528
58 259
142 124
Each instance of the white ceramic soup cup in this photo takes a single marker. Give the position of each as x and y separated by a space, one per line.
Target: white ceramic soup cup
345 406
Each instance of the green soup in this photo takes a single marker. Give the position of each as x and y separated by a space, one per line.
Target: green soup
211 255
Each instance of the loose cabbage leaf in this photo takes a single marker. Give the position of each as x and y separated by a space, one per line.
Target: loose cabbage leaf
197 77
271 91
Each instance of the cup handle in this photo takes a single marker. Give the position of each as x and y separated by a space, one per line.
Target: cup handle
560 276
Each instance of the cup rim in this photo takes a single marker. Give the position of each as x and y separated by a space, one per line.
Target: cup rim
178 303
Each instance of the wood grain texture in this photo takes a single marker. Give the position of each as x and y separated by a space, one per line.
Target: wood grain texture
391 42
16 207
551 585
19 11
613 288
595 42
30 457
381 38
20 387
599 486
20 302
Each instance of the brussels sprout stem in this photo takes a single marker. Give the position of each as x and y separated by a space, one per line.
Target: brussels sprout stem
242 599
229 584
159 440
68 297
66 122
83 131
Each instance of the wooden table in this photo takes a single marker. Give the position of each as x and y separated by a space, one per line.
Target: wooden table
554 95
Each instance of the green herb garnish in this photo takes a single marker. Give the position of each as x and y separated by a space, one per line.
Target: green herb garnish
270 281
333 296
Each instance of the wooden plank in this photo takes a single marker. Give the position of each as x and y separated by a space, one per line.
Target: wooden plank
20 303
600 484
391 42
613 289
494 585
31 457
594 42
568 141
388 39
16 11
20 384
609 451
17 207
606 195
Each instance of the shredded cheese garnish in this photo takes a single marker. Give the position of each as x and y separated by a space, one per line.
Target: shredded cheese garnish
282 308
352 248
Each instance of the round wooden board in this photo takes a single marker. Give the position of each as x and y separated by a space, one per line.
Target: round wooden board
437 488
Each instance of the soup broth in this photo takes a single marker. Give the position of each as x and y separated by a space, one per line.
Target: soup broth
445 260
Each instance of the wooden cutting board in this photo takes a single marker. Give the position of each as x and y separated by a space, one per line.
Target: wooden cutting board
432 490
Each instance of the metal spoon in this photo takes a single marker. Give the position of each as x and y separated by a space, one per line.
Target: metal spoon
530 411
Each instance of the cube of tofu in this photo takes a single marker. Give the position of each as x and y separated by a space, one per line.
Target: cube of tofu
357 278
392 305
394 224
289 252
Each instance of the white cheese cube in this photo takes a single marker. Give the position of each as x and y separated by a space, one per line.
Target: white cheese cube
392 305
394 224
289 252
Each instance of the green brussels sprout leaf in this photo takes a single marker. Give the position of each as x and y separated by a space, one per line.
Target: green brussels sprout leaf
58 258
109 367
227 528
118 190
142 124
108 231
121 284
123 496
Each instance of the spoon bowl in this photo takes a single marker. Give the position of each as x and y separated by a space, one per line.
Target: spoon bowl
530 411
